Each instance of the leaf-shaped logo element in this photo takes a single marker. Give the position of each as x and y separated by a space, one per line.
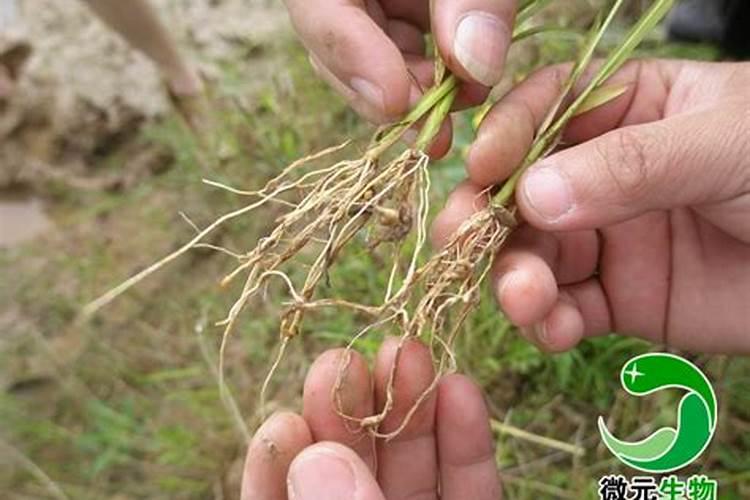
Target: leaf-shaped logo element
669 448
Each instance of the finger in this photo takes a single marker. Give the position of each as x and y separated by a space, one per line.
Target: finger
684 160
473 37
582 310
533 263
470 95
408 38
441 143
354 55
466 448
561 330
648 85
591 300
637 262
527 290
354 396
508 131
416 12
271 450
331 471
407 464
462 203
629 296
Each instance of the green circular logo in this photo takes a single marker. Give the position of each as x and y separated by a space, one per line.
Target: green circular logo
668 448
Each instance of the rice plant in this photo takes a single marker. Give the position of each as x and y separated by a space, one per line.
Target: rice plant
381 199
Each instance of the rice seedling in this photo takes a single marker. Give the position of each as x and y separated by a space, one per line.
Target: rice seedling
381 198
436 297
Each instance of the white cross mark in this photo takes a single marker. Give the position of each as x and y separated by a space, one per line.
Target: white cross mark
633 373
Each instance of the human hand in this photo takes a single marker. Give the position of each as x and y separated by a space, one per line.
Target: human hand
372 51
446 445
643 226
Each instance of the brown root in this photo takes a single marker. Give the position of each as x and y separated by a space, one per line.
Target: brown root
337 204
448 286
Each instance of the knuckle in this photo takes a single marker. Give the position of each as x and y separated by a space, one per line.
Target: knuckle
560 73
628 160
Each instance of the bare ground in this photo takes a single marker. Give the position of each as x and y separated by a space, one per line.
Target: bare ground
84 90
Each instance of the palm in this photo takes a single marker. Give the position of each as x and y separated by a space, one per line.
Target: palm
670 276
656 272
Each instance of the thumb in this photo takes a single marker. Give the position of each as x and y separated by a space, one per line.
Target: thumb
474 36
686 160
331 471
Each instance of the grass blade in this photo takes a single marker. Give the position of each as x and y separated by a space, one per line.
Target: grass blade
601 96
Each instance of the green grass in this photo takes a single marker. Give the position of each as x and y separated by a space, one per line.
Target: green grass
127 406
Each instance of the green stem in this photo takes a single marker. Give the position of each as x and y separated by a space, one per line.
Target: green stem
618 57
503 197
435 121
428 101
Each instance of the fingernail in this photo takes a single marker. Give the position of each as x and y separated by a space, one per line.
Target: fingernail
506 281
365 97
320 473
536 333
480 45
541 333
369 98
548 193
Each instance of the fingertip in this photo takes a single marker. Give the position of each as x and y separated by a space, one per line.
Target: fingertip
440 145
502 142
461 204
482 164
526 293
328 366
412 352
591 300
471 95
545 196
325 448
380 97
474 161
396 93
473 37
273 447
410 361
373 112
458 392
346 372
330 470
562 329
282 431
